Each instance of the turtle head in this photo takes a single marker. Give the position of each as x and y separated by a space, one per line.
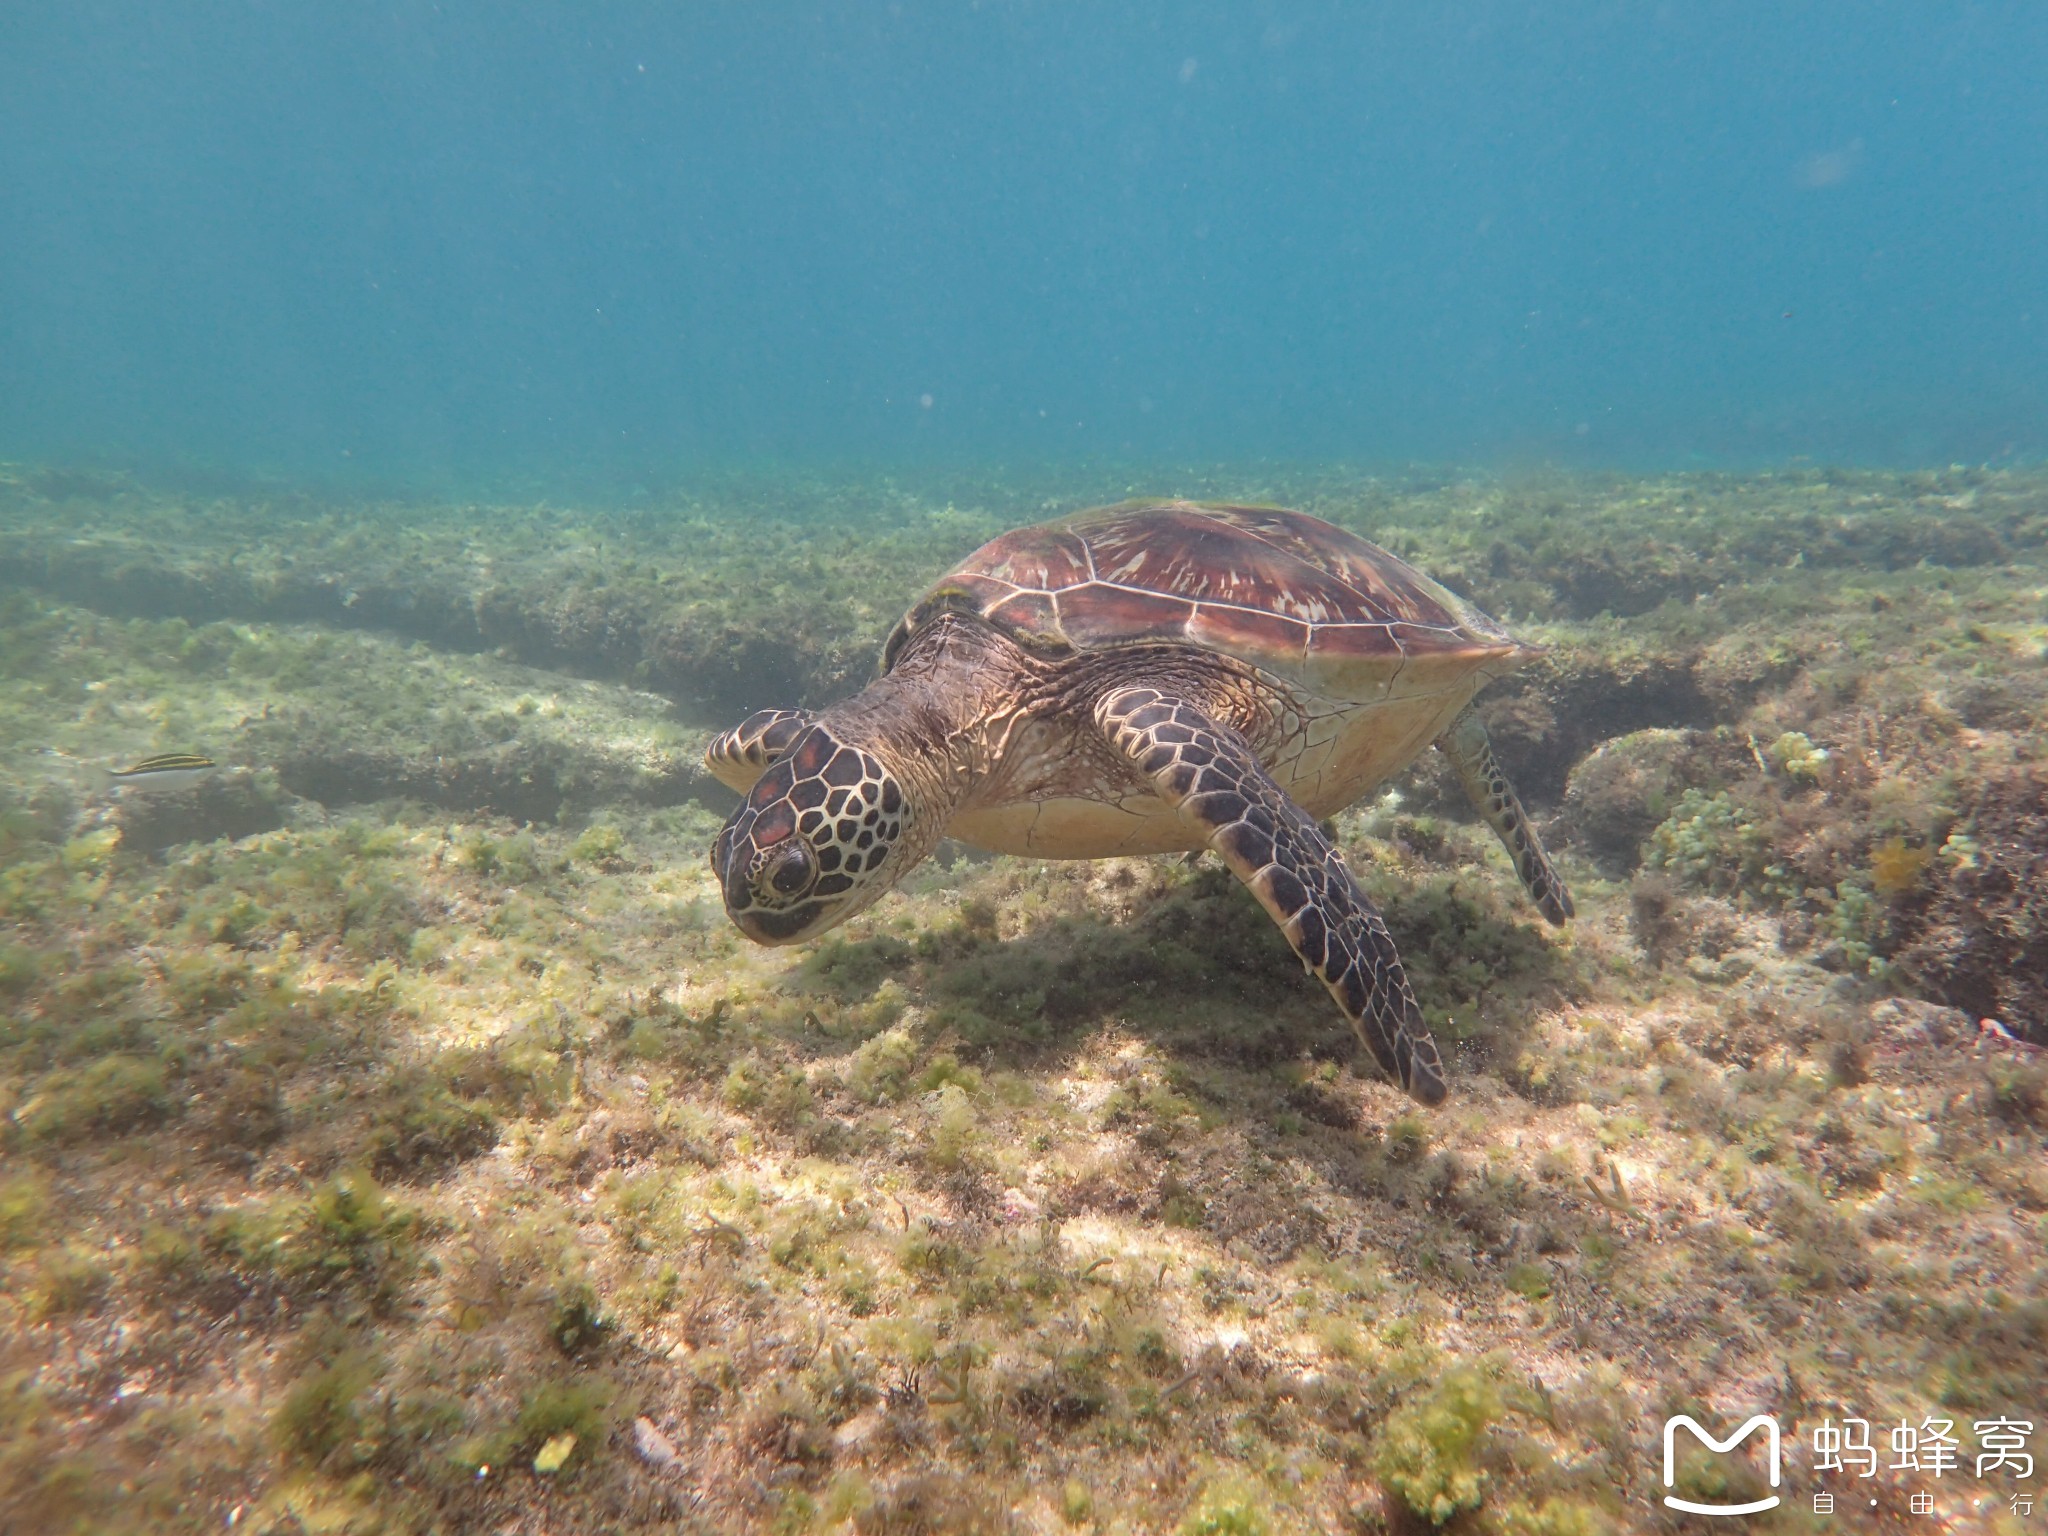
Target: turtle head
816 840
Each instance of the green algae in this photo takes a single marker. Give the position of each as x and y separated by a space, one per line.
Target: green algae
1425 1454
322 1417
346 1233
112 1094
1718 844
1039 1177
23 1200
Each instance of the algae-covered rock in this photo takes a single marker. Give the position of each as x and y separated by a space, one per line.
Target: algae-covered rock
235 803
1981 942
1045 1194
1620 791
1585 692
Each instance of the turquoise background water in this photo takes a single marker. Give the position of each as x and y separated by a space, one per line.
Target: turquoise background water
471 242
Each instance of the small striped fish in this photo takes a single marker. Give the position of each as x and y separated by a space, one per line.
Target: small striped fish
167 770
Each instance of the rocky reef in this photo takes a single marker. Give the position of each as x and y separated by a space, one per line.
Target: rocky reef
394 1135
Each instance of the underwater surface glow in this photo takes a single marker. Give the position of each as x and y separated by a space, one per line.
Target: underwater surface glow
466 242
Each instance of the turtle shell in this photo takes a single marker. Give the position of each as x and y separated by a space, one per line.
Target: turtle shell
1285 592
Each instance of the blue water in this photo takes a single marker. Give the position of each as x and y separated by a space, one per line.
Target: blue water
476 240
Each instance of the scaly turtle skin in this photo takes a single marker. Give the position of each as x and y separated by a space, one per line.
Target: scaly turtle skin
1144 678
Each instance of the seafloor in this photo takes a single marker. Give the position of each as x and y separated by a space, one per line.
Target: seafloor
395 1136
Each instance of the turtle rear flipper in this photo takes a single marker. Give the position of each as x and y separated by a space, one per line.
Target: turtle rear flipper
741 755
1211 775
1470 750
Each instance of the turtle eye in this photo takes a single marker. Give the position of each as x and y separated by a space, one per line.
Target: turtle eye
792 870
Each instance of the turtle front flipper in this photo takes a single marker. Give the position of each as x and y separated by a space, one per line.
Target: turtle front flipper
1471 753
1209 773
741 755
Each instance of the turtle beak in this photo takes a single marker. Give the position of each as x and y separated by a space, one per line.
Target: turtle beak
721 854
733 856
773 928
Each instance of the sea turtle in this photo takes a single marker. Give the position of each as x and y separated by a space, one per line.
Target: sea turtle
1151 677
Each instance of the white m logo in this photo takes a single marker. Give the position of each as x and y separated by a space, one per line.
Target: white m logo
1769 1426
